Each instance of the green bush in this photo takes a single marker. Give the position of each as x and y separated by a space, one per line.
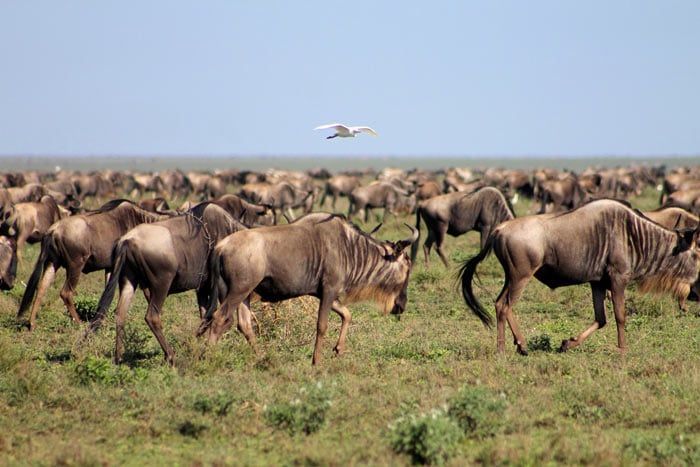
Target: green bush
477 411
102 371
305 414
542 342
429 438
86 307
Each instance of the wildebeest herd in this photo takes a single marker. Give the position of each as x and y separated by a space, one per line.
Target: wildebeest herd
230 245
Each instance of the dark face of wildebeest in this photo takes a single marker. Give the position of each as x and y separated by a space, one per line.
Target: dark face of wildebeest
8 263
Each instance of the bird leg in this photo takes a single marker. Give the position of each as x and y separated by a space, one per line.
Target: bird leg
331 137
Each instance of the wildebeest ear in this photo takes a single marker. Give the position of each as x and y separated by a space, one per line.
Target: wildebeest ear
685 240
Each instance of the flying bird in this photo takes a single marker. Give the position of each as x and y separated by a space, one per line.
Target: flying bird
346 131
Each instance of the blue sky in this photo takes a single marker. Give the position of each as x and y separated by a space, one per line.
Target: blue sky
552 78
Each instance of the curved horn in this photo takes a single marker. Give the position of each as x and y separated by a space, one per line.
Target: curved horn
401 244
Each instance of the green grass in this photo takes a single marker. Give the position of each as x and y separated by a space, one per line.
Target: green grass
63 403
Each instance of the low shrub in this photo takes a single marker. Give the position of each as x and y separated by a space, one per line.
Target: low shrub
542 343
101 371
477 411
429 438
304 414
86 307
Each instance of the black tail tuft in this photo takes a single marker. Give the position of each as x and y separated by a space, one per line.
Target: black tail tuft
466 273
33 282
118 259
414 245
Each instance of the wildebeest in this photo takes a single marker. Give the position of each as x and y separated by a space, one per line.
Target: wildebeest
604 243
375 195
428 189
321 255
686 199
339 185
29 222
561 194
164 258
458 213
282 195
674 218
8 262
81 244
27 193
249 214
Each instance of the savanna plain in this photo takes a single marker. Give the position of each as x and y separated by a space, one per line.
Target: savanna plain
428 387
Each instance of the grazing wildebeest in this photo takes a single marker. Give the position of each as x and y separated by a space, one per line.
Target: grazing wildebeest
164 258
81 244
339 185
375 195
458 213
30 221
674 218
604 243
8 262
321 255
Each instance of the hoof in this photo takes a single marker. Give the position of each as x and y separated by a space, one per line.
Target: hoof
338 351
565 345
522 351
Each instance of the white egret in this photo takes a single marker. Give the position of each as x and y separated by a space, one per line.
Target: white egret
346 131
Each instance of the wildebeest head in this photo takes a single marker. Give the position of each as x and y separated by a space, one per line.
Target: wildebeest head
8 262
395 253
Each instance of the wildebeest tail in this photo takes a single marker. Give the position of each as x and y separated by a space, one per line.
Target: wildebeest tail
466 274
414 245
33 282
214 285
118 259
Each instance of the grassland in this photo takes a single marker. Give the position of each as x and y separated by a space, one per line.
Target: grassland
66 404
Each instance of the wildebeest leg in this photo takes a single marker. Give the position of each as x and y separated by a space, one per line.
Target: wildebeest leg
126 294
202 298
510 294
155 305
439 240
108 273
345 318
366 214
46 281
335 198
618 298
324 307
428 245
598 292
245 325
73 271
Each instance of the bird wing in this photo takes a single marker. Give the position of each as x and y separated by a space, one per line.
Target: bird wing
337 126
366 129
